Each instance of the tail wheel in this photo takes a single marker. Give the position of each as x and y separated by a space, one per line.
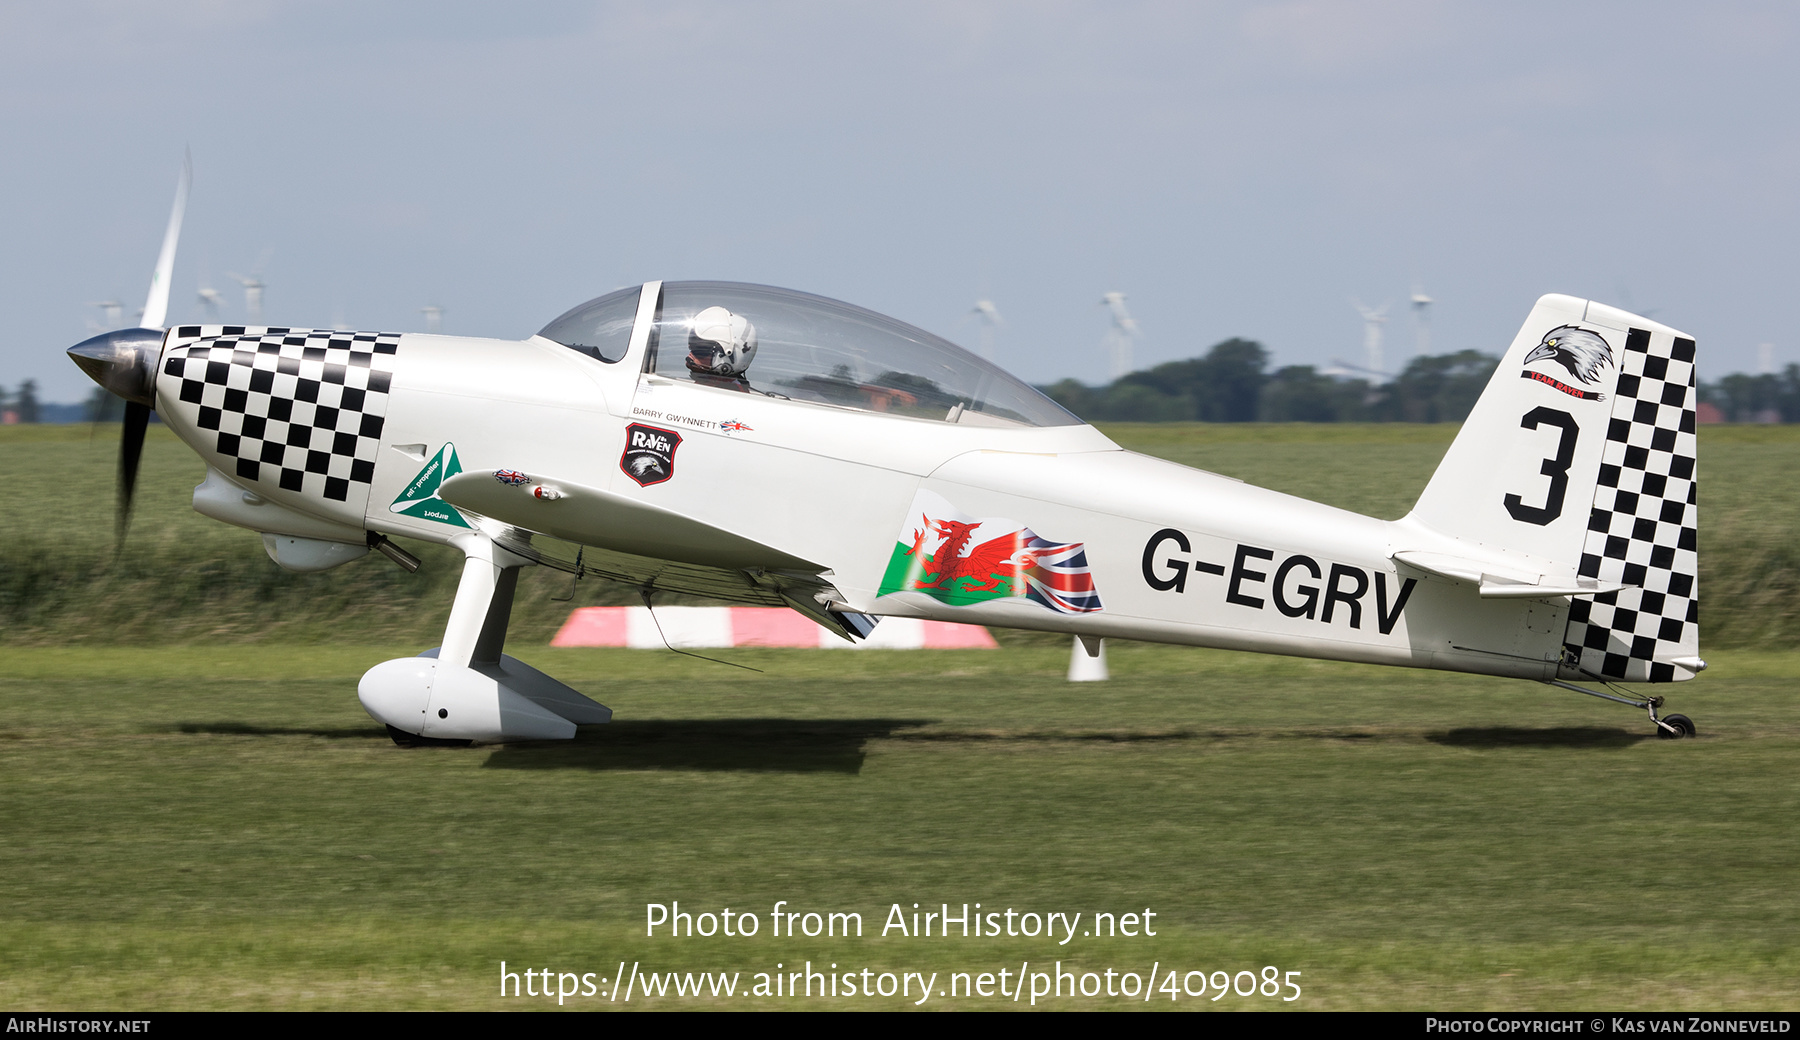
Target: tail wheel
1681 724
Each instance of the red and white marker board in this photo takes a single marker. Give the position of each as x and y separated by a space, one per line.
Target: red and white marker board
689 628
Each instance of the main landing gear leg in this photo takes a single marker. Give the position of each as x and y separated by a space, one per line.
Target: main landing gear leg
467 691
1672 727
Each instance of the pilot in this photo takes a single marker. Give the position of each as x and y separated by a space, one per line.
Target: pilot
720 347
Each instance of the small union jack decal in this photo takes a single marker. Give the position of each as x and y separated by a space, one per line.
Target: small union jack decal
511 476
733 426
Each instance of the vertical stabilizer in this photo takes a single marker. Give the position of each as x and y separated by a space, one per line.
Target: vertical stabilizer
1577 464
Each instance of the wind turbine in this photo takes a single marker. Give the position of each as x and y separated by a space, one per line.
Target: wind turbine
1631 304
210 299
989 317
253 294
253 289
1373 320
1421 308
110 310
1123 332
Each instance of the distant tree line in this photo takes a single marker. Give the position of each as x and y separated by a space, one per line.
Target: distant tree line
102 406
1232 383
22 403
1744 398
23 406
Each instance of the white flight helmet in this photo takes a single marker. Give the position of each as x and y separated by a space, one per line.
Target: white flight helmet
721 342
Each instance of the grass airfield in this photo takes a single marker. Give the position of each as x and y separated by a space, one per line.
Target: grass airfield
212 822
227 829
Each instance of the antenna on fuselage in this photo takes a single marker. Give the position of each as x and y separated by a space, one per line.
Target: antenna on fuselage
645 591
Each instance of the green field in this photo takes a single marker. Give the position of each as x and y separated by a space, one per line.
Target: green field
197 813
184 578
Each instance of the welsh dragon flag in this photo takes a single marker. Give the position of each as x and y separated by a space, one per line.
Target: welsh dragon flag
961 560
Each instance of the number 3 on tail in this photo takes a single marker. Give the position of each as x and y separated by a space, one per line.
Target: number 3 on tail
1557 469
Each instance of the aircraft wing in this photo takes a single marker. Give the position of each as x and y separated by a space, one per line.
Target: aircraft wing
585 530
605 520
730 586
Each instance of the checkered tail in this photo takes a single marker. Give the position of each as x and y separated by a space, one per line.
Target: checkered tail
1643 531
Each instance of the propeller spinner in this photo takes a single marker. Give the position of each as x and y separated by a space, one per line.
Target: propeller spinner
124 362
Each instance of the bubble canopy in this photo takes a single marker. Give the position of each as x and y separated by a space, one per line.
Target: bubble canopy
815 350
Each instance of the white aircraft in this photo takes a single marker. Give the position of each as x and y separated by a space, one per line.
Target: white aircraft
758 445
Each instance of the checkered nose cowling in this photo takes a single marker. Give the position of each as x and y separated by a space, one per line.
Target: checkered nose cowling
1643 531
283 410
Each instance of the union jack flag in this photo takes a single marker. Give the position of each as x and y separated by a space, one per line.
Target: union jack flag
1059 576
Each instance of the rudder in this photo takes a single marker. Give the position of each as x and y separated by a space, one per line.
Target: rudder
1643 529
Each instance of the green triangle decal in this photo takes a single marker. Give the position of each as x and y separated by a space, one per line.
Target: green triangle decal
421 499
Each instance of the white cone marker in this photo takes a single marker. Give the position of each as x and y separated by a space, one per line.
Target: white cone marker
1087 660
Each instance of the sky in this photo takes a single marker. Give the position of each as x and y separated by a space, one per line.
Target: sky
1236 169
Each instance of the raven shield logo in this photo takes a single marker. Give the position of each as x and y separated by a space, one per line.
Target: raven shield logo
649 456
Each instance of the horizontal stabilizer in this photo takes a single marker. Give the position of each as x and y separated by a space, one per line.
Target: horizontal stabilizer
605 520
1582 587
1501 582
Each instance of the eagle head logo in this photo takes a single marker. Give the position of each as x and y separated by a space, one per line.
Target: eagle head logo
1582 352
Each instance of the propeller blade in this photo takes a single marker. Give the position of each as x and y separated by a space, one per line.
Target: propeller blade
156 306
131 450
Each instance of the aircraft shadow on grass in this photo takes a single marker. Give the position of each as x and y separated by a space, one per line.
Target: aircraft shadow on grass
752 745
1545 737
838 745
245 729
793 745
